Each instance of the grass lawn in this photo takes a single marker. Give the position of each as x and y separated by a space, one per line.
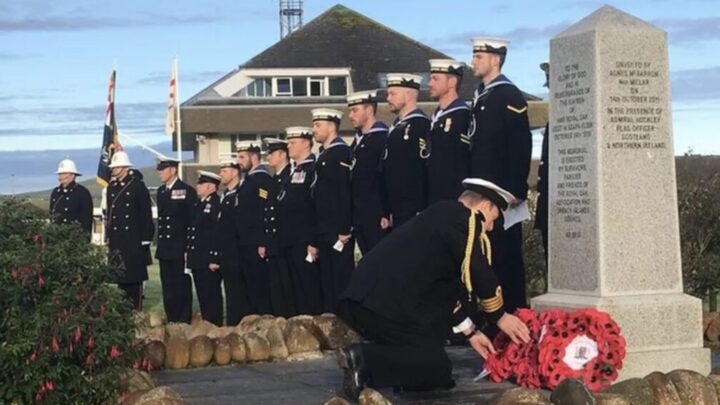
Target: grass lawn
153 291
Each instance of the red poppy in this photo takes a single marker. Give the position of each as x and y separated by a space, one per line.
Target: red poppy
114 352
55 345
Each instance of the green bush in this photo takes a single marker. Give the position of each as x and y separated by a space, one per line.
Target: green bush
533 253
66 335
699 210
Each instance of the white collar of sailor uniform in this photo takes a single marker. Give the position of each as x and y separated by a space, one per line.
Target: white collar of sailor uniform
309 159
170 185
457 104
498 81
259 169
412 114
277 173
335 142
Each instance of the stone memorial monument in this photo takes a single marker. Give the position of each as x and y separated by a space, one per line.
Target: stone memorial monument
614 238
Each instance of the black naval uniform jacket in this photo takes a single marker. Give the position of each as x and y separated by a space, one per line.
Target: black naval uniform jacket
404 167
72 204
413 277
368 191
271 212
225 246
331 190
202 231
252 196
175 206
294 209
449 161
501 139
541 212
129 227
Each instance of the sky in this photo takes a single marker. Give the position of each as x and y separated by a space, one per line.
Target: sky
56 56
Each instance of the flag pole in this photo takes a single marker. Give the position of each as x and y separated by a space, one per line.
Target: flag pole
178 128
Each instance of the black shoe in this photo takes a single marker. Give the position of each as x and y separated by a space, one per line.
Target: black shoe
355 374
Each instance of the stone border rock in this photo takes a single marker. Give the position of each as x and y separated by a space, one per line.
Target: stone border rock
255 338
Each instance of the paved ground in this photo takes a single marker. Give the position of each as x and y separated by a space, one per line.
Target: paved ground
316 381
312 382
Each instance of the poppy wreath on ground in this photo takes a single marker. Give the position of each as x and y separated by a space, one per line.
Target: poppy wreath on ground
519 360
584 344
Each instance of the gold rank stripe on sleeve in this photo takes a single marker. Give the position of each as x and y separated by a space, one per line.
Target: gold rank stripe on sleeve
263 193
516 110
493 304
348 165
465 139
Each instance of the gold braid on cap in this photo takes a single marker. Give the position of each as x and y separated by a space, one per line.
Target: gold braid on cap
484 245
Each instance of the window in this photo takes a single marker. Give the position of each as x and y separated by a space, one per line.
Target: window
258 88
299 85
295 86
284 86
317 85
338 86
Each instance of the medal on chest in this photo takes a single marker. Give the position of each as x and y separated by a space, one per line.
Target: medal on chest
298 177
448 124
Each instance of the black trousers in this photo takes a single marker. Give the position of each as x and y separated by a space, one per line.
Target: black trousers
368 235
134 293
507 261
176 291
399 355
305 279
236 302
282 296
400 218
335 270
209 294
257 280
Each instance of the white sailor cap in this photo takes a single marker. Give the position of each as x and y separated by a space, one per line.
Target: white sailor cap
404 80
67 166
490 45
447 66
230 163
246 146
362 97
326 114
208 177
498 195
298 132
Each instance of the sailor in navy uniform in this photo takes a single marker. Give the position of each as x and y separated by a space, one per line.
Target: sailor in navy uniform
199 244
333 207
225 253
406 149
129 226
252 197
501 149
541 209
449 161
296 222
370 218
70 202
282 296
417 283
175 206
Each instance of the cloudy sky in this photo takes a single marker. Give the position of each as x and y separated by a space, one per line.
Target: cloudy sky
55 56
